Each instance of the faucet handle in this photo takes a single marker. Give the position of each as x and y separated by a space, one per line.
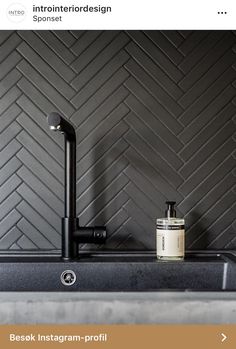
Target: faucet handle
92 235
100 235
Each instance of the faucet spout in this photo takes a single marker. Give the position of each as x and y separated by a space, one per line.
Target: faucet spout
72 233
58 123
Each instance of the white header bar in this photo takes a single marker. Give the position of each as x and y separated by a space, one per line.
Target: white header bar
118 14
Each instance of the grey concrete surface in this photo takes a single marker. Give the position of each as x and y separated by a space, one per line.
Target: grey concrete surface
107 308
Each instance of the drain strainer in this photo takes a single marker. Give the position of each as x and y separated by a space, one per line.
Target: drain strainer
68 277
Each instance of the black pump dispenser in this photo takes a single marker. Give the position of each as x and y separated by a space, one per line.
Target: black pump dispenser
170 211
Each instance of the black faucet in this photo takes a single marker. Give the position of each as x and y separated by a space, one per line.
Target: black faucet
72 233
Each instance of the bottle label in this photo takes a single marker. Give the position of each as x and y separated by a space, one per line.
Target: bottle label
170 241
170 227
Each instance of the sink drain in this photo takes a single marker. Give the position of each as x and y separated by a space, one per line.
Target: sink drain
68 277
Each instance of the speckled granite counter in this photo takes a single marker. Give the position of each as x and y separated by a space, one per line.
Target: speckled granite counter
105 308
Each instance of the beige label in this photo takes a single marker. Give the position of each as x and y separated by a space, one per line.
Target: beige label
170 243
124 336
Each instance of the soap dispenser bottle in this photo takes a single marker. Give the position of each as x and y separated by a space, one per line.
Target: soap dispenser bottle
170 235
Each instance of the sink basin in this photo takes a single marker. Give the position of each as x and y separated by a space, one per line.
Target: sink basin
119 272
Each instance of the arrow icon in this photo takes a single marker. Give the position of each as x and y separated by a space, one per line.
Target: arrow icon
224 337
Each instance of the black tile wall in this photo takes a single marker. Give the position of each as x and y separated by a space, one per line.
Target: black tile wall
155 117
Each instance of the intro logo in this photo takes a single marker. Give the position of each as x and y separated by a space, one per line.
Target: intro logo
16 13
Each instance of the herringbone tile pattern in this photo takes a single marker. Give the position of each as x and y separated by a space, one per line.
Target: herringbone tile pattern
155 114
